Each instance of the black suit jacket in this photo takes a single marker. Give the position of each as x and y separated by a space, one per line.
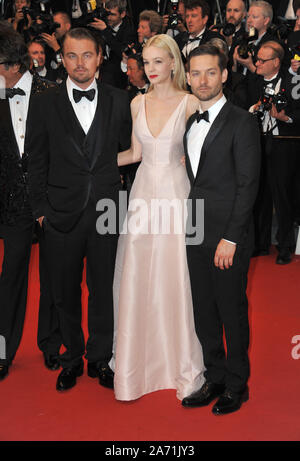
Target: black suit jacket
13 167
68 168
183 37
228 175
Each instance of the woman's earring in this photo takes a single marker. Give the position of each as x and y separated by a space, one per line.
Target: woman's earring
172 74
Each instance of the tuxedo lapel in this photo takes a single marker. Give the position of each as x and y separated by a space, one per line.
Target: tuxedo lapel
100 126
213 132
187 158
7 125
71 124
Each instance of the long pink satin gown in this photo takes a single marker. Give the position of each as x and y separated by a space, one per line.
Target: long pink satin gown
156 346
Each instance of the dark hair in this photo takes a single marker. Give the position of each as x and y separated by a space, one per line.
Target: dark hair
13 49
191 4
211 50
120 4
138 58
296 5
38 41
80 33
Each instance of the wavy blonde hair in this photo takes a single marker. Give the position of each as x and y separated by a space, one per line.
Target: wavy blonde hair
168 44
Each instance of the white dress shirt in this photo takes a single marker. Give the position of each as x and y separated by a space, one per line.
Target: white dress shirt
84 109
19 108
198 133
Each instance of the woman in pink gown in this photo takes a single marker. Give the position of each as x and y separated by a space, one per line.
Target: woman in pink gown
156 346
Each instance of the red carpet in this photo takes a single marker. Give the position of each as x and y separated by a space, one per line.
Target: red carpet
32 410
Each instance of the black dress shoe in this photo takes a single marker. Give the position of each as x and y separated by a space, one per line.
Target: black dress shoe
93 369
3 371
284 257
230 401
205 395
51 362
106 376
67 377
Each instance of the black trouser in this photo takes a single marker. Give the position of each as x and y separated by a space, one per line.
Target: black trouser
263 207
220 301
14 287
14 282
66 253
48 336
283 165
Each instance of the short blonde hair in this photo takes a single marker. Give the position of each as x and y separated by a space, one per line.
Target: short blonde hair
266 7
168 44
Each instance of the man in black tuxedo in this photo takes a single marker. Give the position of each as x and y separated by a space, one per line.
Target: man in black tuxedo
196 16
222 158
16 220
79 129
280 129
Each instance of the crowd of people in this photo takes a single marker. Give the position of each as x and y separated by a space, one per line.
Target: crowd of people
194 99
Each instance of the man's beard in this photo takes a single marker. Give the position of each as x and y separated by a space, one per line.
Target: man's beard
210 95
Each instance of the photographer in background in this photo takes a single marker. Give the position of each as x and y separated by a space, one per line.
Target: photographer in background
273 93
21 22
260 17
54 40
174 22
36 51
117 32
150 24
233 29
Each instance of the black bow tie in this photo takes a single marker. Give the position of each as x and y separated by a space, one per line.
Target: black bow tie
202 116
194 39
77 94
11 92
142 90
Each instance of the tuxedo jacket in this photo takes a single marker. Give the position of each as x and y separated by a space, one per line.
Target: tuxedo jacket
228 175
68 168
183 37
255 85
13 167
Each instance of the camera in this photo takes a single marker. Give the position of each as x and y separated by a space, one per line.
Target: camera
174 16
282 30
269 97
245 43
46 26
228 29
95 12
30 12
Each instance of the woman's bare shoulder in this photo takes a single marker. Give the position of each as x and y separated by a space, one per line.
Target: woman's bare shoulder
192 105
135 104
